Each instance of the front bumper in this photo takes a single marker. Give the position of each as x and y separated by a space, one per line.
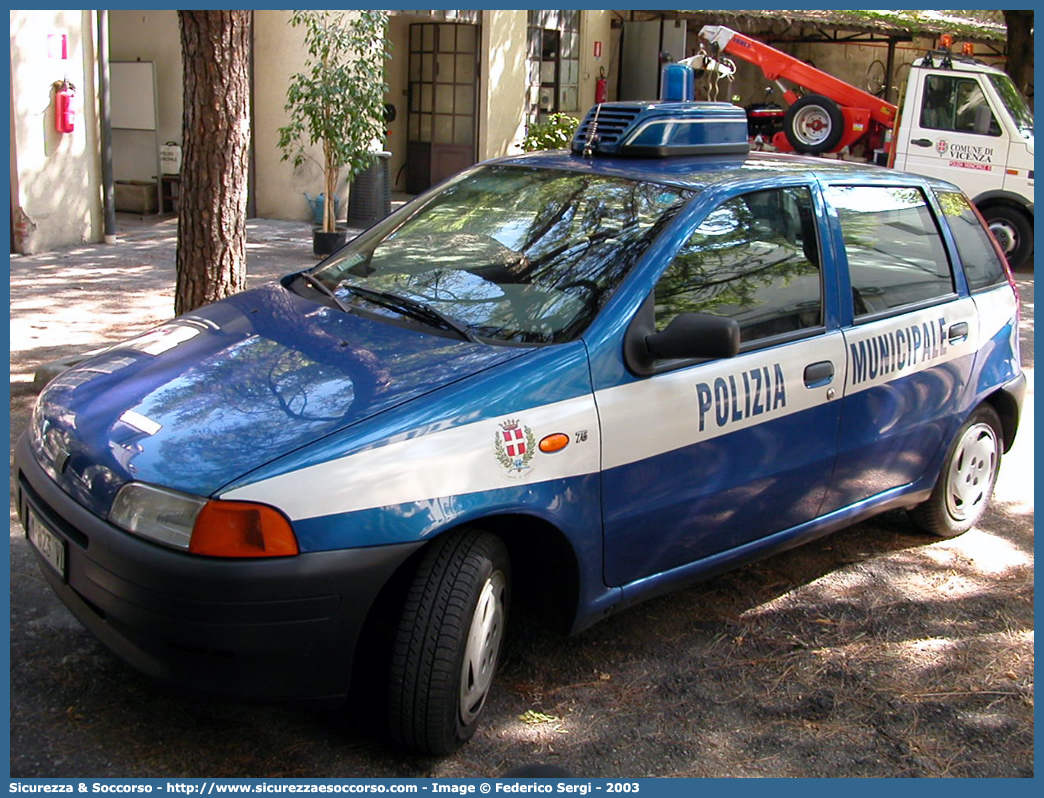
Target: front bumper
279 628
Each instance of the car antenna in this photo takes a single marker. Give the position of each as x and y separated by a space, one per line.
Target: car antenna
592 133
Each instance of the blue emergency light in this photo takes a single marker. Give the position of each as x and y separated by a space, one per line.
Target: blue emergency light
659 129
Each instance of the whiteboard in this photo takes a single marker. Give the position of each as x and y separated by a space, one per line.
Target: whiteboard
132 89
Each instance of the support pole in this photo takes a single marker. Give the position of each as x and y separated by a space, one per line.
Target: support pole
105 114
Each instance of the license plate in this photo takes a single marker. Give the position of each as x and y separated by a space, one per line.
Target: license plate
47 543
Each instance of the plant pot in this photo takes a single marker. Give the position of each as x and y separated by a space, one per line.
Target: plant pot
324 244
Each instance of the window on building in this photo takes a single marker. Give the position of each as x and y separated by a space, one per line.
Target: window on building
553 64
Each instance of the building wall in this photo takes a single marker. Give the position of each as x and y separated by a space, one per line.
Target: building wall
502 84
280 188
278 53
55 178
54 214
595 27
502 126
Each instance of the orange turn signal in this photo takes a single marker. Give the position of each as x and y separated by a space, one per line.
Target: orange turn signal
554 443
242 529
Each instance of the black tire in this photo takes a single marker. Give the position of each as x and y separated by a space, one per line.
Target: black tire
814 124
448 640
966 481
1013 231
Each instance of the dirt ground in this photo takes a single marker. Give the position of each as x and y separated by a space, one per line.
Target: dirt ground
873 652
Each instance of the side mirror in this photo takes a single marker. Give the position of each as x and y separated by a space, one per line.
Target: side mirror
695 335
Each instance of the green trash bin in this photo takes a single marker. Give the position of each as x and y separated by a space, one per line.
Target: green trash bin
369 199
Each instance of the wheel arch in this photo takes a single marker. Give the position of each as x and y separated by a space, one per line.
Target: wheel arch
545 573
1000 197
1007 409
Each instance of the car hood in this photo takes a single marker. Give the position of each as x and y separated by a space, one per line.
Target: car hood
197 402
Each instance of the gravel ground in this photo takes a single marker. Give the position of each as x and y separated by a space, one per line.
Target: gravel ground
873 652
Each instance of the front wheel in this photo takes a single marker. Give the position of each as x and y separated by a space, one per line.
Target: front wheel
448 641
966 481
1013 231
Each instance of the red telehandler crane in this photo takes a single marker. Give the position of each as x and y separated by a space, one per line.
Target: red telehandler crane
832 114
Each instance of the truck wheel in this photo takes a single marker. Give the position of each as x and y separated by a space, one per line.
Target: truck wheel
967 478
814 124
448 640
1013 231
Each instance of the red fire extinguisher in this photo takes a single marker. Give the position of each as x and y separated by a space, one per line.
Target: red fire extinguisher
64 115
601 87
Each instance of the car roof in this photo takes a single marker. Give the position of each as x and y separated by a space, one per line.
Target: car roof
697 172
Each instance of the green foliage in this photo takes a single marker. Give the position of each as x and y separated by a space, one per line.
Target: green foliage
338 101
554 134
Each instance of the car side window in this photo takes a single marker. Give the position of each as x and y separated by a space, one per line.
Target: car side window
957 104
982 265
895 253
755 258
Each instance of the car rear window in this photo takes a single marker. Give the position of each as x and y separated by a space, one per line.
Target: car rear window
982 265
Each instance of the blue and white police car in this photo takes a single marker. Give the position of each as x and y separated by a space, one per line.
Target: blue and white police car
570 380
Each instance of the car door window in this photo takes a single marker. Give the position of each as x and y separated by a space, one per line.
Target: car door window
755 258
896 256
957 104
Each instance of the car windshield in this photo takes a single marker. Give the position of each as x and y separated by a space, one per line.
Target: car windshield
506 253
1016 104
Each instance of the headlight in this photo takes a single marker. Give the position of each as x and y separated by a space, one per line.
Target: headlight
164 516
211 527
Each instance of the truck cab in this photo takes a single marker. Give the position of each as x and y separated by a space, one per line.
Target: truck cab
965 122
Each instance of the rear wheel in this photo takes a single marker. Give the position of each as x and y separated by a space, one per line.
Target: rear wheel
814 124
448 640
966 481
1013 231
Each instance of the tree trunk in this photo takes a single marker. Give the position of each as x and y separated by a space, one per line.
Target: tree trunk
211 258
1020 48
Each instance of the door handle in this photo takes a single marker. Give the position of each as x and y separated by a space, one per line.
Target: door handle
958 332
818 374
921 142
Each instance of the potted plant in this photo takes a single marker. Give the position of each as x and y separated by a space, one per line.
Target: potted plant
554 134
336 103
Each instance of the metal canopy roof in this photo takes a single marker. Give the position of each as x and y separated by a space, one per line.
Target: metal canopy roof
815 25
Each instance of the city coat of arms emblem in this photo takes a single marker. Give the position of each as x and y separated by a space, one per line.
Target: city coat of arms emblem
514 446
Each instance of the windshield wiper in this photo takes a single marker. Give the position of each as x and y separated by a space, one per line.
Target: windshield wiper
322 288
412 307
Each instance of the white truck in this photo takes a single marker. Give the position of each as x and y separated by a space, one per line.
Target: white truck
962 120
966 122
